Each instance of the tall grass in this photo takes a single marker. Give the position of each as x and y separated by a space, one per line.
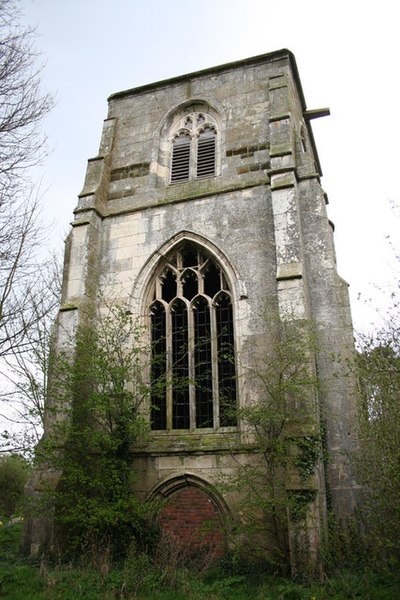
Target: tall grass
141 578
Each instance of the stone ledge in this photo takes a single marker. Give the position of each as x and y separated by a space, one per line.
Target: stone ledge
289 271
279 117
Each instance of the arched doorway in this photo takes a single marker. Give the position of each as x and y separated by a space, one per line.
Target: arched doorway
194 518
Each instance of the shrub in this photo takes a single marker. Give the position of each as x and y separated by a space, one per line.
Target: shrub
14 473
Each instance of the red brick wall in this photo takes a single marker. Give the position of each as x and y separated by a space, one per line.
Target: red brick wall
191 518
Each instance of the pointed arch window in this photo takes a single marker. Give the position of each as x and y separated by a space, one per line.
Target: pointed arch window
193 148
192 331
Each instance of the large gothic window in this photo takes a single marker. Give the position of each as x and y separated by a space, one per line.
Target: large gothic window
193 148
193 363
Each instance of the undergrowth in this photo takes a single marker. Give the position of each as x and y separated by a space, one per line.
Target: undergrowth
140 578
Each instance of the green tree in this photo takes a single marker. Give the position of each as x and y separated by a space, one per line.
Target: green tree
14 473
277 485
95 507
378 463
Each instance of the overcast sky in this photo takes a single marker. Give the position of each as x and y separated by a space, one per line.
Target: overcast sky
347 54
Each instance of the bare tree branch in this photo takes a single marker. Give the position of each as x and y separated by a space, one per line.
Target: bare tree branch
27 297
25 369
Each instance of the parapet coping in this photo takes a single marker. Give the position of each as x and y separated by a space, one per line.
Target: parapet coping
261 58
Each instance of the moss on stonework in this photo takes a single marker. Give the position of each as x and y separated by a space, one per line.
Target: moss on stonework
299 502
308 452
68 306
190 442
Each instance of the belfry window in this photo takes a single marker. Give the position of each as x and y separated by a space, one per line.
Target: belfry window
193 364
206 153
193 148
180 162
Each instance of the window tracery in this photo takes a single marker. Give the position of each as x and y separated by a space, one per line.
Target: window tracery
193 367
193 148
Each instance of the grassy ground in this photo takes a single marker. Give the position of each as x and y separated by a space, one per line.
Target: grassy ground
139 580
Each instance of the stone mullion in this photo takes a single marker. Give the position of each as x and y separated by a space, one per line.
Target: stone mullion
193 158
214 363
192 389
168 387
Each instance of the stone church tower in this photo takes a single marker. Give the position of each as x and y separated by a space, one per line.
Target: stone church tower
202 211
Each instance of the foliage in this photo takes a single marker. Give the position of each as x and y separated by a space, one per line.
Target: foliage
344 547
138 578
18 580
285 437
378 464
308 453
9 542
14 473
175 557
96 511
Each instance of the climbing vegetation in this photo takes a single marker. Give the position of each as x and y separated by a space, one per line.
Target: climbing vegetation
101 393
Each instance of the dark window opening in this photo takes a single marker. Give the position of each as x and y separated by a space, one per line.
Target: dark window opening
190 284
158 367
226 363
180 366
212 280
193 363
203 364
169 286
189 258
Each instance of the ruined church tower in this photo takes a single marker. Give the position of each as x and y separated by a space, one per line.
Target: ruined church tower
202 211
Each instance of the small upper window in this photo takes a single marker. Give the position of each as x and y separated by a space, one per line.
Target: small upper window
193 148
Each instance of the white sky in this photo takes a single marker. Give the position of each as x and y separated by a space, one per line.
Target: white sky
347 54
